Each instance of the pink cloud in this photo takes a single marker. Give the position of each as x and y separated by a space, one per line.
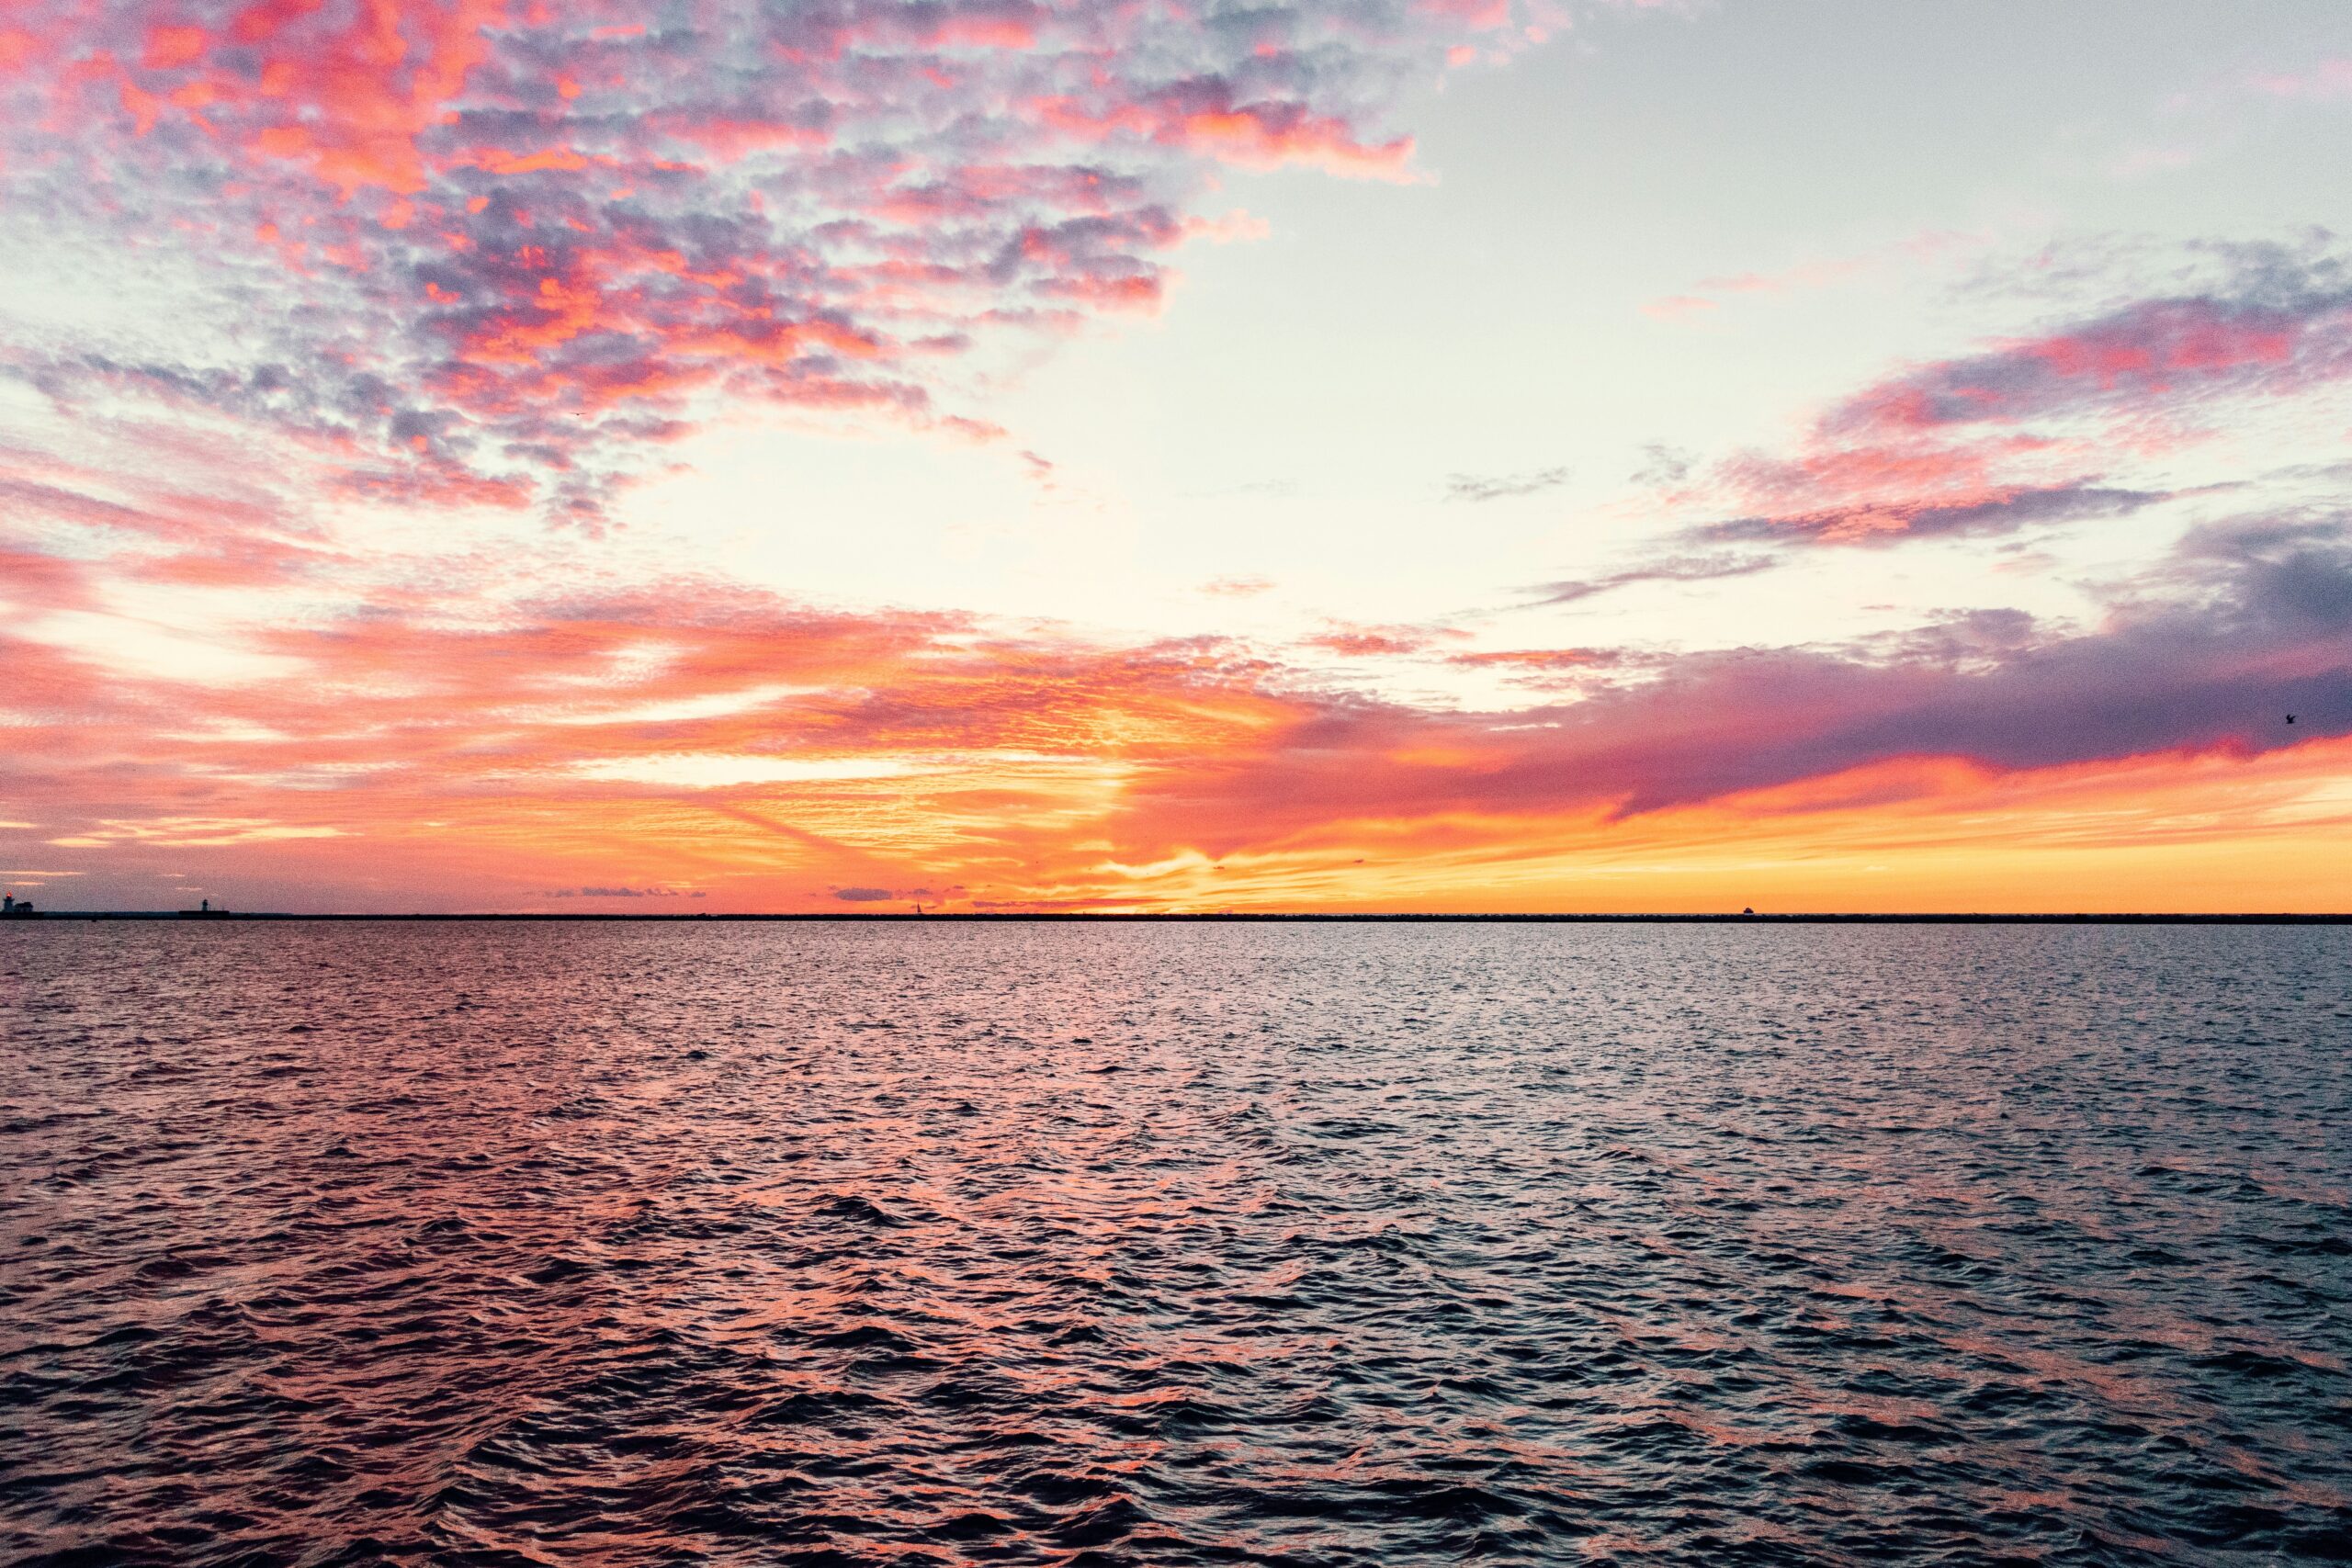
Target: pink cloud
1708 293
2024 431
506 244
1352 641
1534 659
2323 79
1679 307
2154 353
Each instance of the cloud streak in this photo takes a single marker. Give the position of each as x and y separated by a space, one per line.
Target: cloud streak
1676 568
1504 487
1999 508
2279 324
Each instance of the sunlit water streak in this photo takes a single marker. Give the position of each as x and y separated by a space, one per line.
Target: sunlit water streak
940 1244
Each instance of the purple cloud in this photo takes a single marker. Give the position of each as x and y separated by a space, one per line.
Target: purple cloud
474 254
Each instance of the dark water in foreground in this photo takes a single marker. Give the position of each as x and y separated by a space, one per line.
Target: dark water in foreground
1140 1245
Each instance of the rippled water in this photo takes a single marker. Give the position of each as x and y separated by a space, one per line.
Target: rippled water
1303 1244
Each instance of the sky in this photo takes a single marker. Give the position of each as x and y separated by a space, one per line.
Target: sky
1447 455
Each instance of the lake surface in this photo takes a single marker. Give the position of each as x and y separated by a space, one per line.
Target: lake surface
1318 1244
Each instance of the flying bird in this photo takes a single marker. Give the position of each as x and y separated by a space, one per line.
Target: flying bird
2291 719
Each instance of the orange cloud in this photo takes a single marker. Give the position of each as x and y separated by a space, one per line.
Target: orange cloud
449 743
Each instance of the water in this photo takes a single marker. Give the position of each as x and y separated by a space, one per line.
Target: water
1322 1245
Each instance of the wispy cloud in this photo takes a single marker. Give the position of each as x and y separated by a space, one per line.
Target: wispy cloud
1536 659
2323 79
1504 487
1999 508
623 891
1663 464
1675 569
1709 294
1237 587
1354 641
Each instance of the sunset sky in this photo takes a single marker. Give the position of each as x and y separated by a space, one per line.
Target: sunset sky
715 455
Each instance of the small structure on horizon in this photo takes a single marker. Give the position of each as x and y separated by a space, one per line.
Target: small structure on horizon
12 905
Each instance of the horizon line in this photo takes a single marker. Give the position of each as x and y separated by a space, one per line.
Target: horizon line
2281 918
